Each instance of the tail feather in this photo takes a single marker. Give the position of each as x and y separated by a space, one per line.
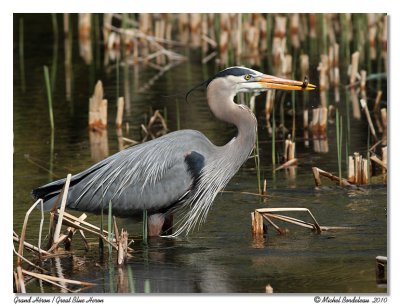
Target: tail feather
49 192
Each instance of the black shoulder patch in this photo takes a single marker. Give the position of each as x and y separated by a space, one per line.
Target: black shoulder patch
195 162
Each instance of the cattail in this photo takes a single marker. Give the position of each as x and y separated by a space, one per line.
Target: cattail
294 30
354 67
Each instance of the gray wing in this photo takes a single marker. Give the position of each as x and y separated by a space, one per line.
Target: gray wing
152 176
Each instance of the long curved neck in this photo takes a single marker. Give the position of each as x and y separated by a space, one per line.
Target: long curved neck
220 100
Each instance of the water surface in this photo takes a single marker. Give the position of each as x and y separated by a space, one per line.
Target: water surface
221 256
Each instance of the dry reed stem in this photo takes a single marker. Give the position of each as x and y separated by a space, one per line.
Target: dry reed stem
28 261
65 190
46 277
98 108
120 112
291 220
20 279
384 157
257 223
384 118
378 161
65 237
31 247
351 171
209 57
272 211
364 107
274 225
375 110
355 104
355 57
23 232
288 164
318 172
122 247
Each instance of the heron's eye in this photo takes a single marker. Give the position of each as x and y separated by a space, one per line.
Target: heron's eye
247 77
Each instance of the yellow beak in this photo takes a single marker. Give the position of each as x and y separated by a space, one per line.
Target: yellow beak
272 82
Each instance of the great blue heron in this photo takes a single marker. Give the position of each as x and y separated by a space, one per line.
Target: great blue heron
182 169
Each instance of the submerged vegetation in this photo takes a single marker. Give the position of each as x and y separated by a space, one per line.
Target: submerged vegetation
345 55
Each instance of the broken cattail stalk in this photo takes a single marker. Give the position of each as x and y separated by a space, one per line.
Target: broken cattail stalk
122 247
315 122
265 187
28 261
85 43
279 38
305 126
31 247
287 164
304 64
375 159
62 208
56 279
354 67
336 82
323 68
287 66
372 30
272 213
257 223
363 82
376 108
323 118
384 36
195 29
384 156
20 280
318 173
355 104
364 106
23 232
269 104
384 118
120 112
291 150
98 108
364 171
294 30
317 178
357 167
380 262
66 238
351 177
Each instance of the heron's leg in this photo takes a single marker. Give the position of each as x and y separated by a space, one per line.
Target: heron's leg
155 224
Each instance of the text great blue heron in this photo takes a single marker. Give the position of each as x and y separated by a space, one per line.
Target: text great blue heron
182 169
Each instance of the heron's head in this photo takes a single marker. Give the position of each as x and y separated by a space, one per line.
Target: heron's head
242 79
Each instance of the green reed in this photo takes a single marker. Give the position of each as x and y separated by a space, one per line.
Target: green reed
110 227
258 166
21 54
339 134
273 135
49 95
145 220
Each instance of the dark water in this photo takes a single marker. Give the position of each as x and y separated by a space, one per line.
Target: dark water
221 256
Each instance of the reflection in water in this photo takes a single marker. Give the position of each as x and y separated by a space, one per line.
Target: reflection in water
98 144
85 42
67 57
